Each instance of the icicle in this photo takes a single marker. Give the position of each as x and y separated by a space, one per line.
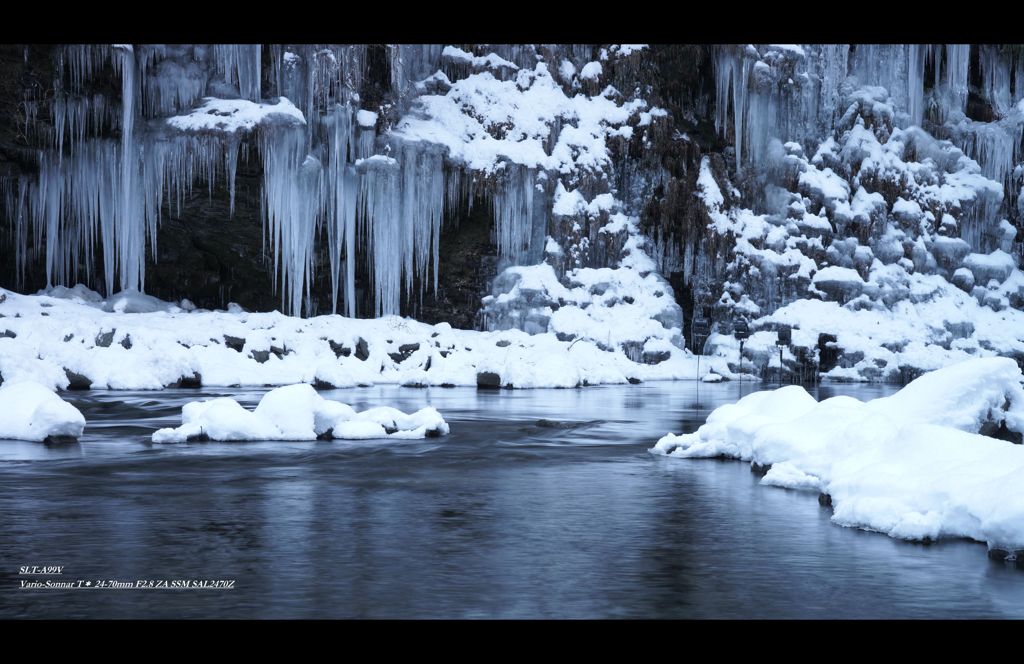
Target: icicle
888 66
958 60
403 208
412 62
996 146
293 80
515 214
240 65
351 183
724 73
380 225
231 169
78 62
276 66
423 210
1017 65
292 181
915 83
995 76
367 143
832 66
340 202
978 220
314 77
172 85
129 226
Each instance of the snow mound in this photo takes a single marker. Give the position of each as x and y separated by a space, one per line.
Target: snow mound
297 412
32 412
913 465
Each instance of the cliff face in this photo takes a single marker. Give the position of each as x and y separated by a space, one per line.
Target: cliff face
560 188
210 233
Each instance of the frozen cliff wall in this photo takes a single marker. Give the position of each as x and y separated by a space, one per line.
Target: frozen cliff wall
115 143
540 187
870 203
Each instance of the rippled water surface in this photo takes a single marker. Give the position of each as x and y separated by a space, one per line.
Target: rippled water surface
541 503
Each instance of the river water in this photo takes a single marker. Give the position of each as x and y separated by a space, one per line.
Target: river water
540 504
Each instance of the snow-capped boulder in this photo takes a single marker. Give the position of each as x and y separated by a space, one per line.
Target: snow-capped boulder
998 265
949 252
839 283
963 279
29 411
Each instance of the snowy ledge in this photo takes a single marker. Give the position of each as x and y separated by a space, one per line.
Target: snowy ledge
296 413
232 115
913 465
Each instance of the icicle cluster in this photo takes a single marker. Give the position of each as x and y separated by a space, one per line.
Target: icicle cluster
404 202
325 173
94 191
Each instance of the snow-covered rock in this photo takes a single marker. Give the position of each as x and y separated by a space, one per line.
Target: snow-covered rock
297 412
998 265
841 283
30 411
904 324
913 465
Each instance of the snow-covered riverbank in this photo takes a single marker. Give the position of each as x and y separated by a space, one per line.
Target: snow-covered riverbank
915 465
73 343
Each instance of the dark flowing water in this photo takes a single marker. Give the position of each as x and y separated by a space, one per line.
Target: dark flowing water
508 517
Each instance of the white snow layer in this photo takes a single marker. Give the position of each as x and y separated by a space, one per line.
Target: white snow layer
30 411
125 302
231 115
45 339
912 465
297 412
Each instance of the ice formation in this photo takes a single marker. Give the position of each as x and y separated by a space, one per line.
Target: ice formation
922 464
294 413
33 412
